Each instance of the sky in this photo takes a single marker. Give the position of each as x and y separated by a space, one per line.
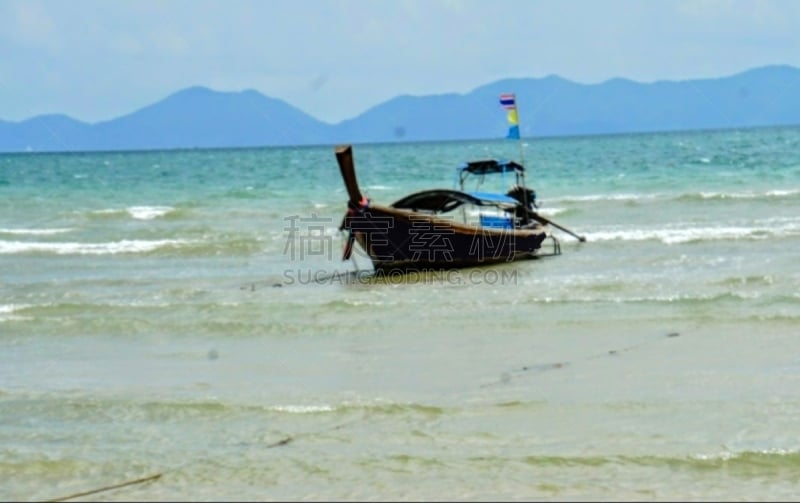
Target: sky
95 60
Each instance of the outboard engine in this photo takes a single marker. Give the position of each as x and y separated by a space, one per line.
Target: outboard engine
524 195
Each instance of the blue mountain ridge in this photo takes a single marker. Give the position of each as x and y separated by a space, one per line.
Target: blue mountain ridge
198 117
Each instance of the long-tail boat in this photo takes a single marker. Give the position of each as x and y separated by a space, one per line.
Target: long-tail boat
447 228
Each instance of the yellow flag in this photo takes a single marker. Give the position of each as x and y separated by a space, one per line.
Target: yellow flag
513 119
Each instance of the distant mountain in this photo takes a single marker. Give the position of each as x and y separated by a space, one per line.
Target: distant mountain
198 117
45 132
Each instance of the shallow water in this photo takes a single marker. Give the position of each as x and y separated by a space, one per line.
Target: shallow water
156 317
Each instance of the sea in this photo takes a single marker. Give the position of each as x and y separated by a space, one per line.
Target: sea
180 326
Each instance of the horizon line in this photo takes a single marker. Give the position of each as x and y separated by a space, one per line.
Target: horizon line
402 142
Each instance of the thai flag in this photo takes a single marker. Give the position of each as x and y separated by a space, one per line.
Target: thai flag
509 101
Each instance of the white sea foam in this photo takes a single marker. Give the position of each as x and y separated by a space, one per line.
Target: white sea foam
148 212
110 248
7 312
605 197
10 308
783 193
137 212
642 299
551 211
690 234
720 195
778 193
729 455
36 232
303 409
749 195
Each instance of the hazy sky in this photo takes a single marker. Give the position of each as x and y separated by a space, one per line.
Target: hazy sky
333 59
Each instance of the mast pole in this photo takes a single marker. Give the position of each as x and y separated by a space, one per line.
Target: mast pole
521 146
519 136
525 202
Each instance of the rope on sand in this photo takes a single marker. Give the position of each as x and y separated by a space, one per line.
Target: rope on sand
280 442
505 377
108 488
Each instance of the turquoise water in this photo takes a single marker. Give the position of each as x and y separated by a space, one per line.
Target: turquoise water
158 316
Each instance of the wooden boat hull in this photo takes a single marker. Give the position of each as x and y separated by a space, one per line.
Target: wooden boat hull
405 240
